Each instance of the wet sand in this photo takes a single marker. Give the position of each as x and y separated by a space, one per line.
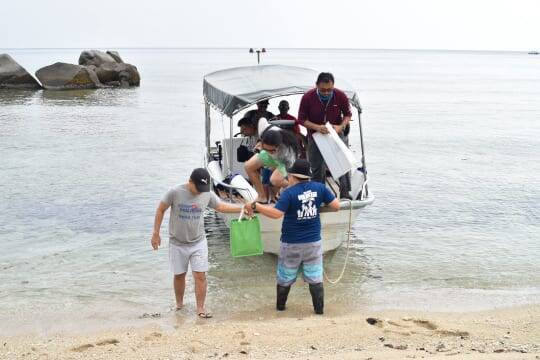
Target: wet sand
512 333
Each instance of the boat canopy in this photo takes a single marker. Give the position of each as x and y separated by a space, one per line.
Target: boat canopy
232 90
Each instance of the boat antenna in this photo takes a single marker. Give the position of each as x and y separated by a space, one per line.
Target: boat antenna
258 51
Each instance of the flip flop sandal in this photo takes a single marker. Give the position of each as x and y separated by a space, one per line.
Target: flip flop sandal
204 315
175 308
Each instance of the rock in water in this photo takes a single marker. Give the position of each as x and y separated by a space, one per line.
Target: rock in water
14 76
110 68
116 56
62 76
95 57
114 73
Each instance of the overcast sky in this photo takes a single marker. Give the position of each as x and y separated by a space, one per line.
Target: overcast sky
373 24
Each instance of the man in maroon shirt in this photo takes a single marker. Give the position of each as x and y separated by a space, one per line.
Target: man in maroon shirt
318 106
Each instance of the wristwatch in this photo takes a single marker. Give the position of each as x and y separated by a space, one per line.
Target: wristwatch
253 205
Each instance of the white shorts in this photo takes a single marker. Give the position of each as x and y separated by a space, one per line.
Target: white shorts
182 255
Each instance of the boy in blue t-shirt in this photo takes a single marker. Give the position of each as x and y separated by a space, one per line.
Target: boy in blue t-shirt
301 245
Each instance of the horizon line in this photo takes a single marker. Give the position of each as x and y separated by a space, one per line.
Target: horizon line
238 48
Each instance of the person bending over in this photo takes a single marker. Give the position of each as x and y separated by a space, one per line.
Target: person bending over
278 151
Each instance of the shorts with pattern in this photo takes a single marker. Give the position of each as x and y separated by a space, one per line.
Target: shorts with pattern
304 256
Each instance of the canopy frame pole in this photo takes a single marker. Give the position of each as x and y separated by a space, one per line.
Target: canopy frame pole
231 152
364 167
207 127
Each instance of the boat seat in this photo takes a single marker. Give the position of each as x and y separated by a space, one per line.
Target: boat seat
237 182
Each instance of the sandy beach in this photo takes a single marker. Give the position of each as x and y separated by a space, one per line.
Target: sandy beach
512 333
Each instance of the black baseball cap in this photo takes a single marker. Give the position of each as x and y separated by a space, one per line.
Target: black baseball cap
201 179
300 169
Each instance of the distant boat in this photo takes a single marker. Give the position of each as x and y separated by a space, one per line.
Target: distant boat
533 53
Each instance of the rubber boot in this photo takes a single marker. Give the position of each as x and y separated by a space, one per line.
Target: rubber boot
317 296
282 293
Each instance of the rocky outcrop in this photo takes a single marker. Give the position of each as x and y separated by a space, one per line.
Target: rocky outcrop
110 68
14 76
62 76
96 69
95 58
116 56
115 74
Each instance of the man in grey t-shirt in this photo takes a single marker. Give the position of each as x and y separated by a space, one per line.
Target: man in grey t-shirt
187 239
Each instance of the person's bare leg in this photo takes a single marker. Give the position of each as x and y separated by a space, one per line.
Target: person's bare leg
252 167
200 290
179 288
274 193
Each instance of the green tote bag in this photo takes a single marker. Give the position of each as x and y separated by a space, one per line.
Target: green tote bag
246 237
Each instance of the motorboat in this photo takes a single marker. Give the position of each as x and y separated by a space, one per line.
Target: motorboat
230 92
